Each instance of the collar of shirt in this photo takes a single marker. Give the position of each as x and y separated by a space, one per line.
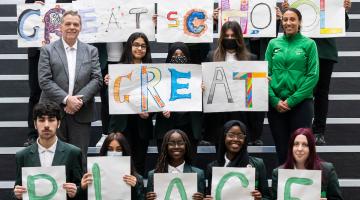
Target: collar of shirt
227 161
51 149
178 169
67 47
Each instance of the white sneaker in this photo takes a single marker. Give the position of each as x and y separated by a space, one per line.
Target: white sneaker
101 141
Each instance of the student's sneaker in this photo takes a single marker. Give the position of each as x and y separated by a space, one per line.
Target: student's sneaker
101 141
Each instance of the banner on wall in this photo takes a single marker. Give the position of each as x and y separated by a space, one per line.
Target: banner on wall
230 182
108 173
169 186
321 18
44 182
189 21
299 184
235 86
257 18
102 21
136 88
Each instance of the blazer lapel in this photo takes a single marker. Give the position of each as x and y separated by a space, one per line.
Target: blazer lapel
79 59
34 158
59 47
59 154
187 168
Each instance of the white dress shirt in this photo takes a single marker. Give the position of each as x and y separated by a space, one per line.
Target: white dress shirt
46 155
227 161
71 61
178 169
230 57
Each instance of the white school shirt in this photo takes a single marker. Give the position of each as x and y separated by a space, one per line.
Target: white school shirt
178 169
46 155
230 57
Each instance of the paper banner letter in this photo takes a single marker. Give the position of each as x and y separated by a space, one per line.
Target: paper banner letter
52 20
173 18
179 185
117 86
22 18
248 77
219 79
194 22
323 29
149 86
137 12
251 18
293 180
31 187
97 181
244 182
86 19
175 75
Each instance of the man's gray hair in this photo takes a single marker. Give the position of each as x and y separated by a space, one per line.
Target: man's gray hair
72 13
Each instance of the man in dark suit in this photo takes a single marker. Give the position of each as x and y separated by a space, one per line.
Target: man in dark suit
49 151
35 91
69 74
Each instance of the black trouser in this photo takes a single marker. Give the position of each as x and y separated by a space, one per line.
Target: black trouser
35 90
282 125
105 117
321 94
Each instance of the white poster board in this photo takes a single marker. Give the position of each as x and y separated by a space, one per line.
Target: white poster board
235 86
108 173
188 21
257 18
299 184
321 18
45 182
230 182
102 21
175 186
154 87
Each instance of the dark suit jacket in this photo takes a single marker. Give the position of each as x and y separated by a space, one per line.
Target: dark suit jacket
261 183
54 82
65 154
187 169
330 187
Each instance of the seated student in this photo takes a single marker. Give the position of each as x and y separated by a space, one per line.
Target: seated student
189 122
48 151
175 157
233 152
302 155
115 144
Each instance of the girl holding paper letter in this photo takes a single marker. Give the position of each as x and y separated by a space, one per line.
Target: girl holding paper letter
136 128
175 157
294 71
232 152
302 155
116 144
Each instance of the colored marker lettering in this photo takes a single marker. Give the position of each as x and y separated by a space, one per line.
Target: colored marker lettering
117 86
194 22
148 85
244 182
179 185
294 180
31 187
22 18
97 181
248 77
86 19
172 17
175 75
52 20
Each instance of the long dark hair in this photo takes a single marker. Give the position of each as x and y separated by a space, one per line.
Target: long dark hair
313 161
241 51
164 159
127 57
126 151
298 14
175 46
242 158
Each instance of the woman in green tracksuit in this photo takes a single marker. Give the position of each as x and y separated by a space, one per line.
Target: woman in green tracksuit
294 72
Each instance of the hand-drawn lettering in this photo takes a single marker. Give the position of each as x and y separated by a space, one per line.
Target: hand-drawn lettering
86 19
113 17
295 180
117 86
31 187
52 20
138 12
148 85
175 75
243 180
22 18
97 181
194 22
174 21
248 77
251 16
219 79
180 186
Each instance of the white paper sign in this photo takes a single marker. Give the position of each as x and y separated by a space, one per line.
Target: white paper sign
154 87
257 18
102 21
188 21
45 182
108 173
299 184
230 182
321 18
175 186
235 86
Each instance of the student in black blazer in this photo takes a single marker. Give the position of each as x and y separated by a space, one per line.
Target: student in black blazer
232 152
302 155
47 121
